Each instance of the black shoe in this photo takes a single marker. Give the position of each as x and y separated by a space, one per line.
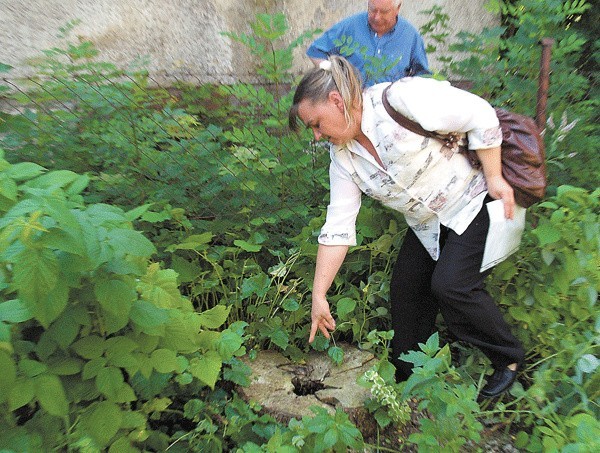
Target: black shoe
498 382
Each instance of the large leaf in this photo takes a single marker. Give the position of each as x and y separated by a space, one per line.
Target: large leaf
24 170
14 311
115 296
8 189
160 287
164 360
109 381
207 368
36 273
65 328
51 395
215 317
229 343
90 347
102 422
148 317
54 179
130 242
51 306
181 334
345 306
21 394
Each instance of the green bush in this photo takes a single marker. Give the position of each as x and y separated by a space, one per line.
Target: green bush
551 291
91 331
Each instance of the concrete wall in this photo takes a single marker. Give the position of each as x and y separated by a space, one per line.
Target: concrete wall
181 38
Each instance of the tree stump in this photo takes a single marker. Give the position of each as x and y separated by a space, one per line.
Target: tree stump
287 390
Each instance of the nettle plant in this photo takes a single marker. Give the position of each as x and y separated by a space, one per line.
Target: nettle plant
91 330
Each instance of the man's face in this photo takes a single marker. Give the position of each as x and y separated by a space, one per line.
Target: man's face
382 15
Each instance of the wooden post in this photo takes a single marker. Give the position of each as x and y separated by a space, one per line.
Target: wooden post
544 81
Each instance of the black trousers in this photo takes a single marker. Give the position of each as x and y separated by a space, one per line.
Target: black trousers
421 287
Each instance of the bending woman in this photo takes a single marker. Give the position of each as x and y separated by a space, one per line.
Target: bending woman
441 196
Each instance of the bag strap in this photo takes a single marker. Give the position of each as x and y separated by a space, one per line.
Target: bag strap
406 123
450 140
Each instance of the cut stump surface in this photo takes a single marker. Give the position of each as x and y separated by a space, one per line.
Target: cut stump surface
287 390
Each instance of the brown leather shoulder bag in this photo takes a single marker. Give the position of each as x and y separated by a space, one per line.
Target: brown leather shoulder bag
523 152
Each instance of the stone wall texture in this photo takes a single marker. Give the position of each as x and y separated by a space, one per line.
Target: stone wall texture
180 38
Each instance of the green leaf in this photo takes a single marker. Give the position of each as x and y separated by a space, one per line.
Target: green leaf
21 394
182 333
130 242
24 170
54 179
122 445
546 233
279 337
164 360
14 311
290 305
115 296
93 367
32 368
336 354
149 318
345 306
8 376
160 287
65 328
51 395
5 67
588 363
133 420
65 366
120 345
246 246
257 284
124 360
102 422
90 347
109 380
135 213
36 273
229 343
8 188
214 317
194 242
206 368
432 345
52 305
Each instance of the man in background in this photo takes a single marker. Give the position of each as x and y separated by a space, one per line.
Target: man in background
379 43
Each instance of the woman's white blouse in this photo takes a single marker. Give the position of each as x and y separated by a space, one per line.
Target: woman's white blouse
429 183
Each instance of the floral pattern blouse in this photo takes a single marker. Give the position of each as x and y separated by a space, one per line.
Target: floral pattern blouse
421 177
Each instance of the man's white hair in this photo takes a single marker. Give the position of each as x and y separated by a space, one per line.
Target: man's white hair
395 3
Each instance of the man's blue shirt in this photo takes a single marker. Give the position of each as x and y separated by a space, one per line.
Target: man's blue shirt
397 54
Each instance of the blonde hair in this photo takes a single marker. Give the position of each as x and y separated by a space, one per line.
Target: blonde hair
318 82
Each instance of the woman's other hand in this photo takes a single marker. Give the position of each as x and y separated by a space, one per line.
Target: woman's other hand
499 189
